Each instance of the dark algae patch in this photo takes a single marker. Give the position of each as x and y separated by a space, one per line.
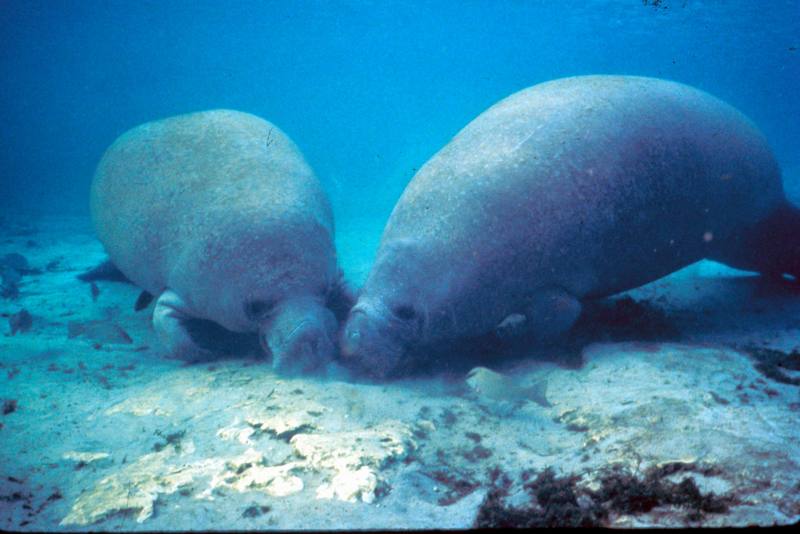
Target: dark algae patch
20 322
254 511
772 364
474 436
456 486
289 434
9 406
626 493
554 502
478 452
562 502
173 439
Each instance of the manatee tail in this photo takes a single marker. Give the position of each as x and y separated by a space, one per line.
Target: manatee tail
105 271
771 248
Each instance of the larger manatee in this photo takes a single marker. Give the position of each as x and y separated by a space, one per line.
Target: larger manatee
219 215
573 189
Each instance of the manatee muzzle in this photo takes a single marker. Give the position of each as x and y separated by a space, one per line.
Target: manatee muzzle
300 337
371 341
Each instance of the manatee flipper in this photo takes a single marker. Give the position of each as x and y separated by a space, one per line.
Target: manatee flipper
772 248
108 271
170 321
216 339
105 271
551 312
143 301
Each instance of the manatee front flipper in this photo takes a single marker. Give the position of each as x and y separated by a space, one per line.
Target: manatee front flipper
551 312
108 271
213 337
105 271
170 320
143 301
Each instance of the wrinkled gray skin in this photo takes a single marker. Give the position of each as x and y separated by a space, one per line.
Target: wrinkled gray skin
574 189
219 215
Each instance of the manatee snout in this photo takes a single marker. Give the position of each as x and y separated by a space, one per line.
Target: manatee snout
300 336
371 341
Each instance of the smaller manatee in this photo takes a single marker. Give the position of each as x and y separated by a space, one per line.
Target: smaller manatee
219 217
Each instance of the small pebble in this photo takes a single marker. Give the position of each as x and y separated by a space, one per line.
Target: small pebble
20 322
53 265
16 261
9 274
255 511
9 290
9 406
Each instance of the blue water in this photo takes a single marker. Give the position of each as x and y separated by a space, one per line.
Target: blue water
369 90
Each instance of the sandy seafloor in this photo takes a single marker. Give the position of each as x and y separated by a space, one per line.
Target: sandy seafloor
107 434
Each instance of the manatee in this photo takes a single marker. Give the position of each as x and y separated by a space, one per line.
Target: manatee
218 215
573 189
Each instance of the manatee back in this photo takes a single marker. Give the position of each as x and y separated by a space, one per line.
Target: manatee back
593 183
199 201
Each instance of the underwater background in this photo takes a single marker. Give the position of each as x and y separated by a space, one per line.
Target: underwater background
368 90
673 404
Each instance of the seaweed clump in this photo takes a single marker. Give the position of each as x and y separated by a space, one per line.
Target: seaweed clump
561 502
623 492
554 503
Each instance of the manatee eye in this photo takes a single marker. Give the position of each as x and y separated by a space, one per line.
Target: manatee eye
404 312
259 309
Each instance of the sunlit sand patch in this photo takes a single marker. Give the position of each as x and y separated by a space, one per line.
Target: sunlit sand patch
354 459
135 487
629 414
85 457
350 462
284 425
151 404
236 432
160 400
249 472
